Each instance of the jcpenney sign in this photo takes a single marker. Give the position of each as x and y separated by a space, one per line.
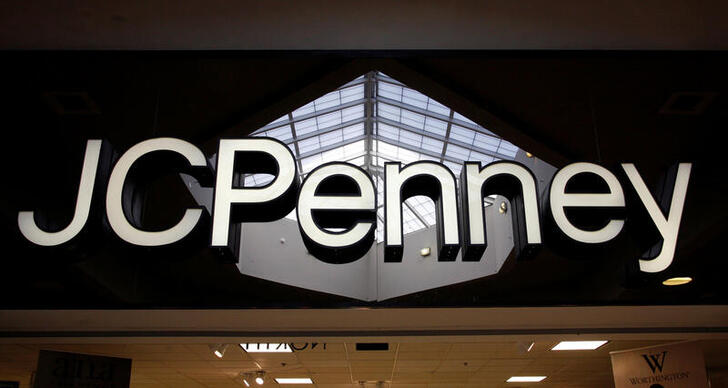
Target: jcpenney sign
343 196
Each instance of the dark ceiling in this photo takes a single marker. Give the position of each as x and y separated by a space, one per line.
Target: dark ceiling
598 106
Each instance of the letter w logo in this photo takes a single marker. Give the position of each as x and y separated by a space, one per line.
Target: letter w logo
654 361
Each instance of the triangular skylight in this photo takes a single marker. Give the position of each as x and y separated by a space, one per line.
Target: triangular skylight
374 119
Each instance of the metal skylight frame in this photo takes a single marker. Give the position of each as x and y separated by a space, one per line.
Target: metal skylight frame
374 119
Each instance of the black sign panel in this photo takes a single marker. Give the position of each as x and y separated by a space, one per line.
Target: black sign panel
72 370
9 384
142 240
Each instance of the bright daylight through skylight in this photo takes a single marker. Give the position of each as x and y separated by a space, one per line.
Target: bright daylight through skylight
375 119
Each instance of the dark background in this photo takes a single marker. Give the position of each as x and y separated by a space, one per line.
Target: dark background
653 108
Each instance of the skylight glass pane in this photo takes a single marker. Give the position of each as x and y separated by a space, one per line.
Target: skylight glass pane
410 223
410 138
436 126
281 119
388 111
434 106
412 119
388 90
462 134
334 155
353 131
507 149
414 98
352 113
329 120
396 153
309 163
424 207
331 138
352 93
379 182
355 148
478 157
454 167
433 145
257 180
380 230
305 126
388 131
457 152
360 161
304 110
486 142
307 145
458 116
281 133
327 101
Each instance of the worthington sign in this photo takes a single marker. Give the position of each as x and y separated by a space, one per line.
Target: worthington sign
336 203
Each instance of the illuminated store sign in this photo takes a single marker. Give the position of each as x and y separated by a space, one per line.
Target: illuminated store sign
586 204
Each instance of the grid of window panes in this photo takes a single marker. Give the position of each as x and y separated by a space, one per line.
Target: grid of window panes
406 126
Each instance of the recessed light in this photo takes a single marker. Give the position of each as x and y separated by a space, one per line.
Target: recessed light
425 251
294 380
266 348
525 379
578 345
677 281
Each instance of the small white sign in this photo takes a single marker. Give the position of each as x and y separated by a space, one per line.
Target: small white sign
665 366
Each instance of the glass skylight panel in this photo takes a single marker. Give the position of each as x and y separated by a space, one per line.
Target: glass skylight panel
352 93
329 120
304 110
410 223
305 126
389 112
414 98
410 138
309 163
281 133
424 207
396 153
307 145
435 126
433 145
327 101
454 167
380 230
436 107
387 90
353 131
353 149
352 113
360 161
281 119
412 119
457 152
462 134
458 116
507 149
478 157
486 142
257 180
379 182
331 138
